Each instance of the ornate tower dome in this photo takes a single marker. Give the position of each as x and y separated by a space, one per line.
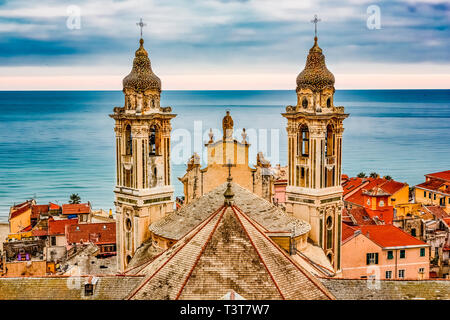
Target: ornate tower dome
315 75
141 77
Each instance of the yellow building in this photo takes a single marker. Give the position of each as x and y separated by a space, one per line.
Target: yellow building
435 190
224 155
20 216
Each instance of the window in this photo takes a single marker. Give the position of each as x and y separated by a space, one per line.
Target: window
128 140
381 203
429 195
153 141
388 274
390 255
53 241
422 252
402 254
401 273
413 232
304 141
372 258
329 102
305 103
421 270
329 145
434 196
424 194
88 289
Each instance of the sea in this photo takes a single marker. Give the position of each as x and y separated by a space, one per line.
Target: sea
55 143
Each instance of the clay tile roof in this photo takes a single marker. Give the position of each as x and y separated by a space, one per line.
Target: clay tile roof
361 216
58 227
388 236
228 251
432 185
437 212
78 208
348 231
97 233
20 208
177 224
38 209
443 175
392 186
53 206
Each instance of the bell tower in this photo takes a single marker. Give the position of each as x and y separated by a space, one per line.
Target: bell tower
315 128
143 193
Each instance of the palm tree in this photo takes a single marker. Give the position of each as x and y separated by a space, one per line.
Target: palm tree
361 175
387 177
374 175
74 198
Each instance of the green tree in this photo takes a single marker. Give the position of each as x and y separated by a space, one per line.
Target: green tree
361 175
374 175
74 198
387 177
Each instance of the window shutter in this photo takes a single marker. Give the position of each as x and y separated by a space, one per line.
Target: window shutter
376 258
367 258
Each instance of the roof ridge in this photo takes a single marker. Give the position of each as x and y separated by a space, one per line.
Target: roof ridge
200 253
199 227
314 281
257 251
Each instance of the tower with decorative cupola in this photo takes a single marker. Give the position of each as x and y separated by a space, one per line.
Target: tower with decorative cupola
143 192
314 127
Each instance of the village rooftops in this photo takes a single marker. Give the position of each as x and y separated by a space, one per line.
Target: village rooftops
389 237
78 208
227 251
177 224
97 233
443 175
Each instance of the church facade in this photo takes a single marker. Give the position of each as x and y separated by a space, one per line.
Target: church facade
314 128
224 155
143 192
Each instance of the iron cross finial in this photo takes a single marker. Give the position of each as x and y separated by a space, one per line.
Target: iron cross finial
141 24
315 21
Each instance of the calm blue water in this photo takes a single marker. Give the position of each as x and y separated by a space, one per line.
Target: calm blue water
53 144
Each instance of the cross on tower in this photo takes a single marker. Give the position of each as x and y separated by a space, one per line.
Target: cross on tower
229 165
141 24
315 21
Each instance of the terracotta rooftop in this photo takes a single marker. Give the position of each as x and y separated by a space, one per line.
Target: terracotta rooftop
359 216
36 210
388 236
20 208
58 227
434 185
227 251
78 208
348 232
97 233
437 212
177 224
53 206
443 175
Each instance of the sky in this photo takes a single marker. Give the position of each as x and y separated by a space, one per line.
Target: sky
223 44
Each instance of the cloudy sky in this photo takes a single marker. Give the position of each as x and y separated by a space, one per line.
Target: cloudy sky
223 44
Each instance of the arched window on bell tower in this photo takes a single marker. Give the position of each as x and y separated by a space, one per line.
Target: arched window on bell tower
305 103
329 103
154 141
329 147
303 141
128 140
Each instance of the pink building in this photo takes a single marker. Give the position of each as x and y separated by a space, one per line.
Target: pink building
383 251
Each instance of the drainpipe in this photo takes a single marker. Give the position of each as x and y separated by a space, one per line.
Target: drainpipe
396 254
